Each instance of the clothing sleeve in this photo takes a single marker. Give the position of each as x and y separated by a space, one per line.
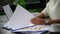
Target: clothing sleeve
45 11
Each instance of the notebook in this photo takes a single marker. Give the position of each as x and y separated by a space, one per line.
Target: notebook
20 19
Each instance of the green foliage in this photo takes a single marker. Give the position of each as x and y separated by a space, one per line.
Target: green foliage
21 2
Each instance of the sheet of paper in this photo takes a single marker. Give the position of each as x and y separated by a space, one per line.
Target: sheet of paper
8 11
20 19
37 28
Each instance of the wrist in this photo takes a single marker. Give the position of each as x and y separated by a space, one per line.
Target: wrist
46 21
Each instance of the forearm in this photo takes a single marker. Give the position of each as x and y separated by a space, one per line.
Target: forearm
50 21
41 15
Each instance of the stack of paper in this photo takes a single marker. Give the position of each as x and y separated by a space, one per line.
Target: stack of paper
20 19
38 28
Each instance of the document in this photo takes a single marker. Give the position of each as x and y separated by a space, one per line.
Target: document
20 19
38 28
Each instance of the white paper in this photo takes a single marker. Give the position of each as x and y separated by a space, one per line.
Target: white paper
35 29
8 11
20 19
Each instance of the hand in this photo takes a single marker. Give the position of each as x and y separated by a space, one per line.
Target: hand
37 21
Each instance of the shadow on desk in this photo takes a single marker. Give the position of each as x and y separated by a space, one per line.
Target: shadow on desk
19 33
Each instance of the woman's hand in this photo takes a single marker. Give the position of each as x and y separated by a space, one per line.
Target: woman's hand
37 21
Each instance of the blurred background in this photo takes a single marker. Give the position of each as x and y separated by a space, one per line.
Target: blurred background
30 5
